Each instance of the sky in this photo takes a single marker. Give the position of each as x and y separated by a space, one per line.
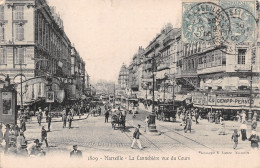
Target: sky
107 33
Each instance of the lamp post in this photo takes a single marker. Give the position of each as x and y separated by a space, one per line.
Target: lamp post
152 116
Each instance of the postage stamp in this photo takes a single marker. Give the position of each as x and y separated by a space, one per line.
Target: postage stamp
222 23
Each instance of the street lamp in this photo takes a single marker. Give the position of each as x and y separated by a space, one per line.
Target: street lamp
152 116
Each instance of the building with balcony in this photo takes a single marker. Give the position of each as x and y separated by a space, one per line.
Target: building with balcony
33 43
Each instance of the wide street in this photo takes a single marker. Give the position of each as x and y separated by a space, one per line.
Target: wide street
100 143
92 135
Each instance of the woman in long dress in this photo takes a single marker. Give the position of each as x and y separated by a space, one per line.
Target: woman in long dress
243 128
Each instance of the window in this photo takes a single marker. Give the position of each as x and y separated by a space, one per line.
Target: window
241 56
20 56
19 12
2 56
2 13
19 32
2 32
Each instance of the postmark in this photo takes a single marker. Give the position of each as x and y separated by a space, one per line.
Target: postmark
243 28
205 21
225 24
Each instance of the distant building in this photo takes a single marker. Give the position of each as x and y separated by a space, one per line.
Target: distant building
123 77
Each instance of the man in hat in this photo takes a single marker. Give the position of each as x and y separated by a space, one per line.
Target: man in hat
64 117
70 118
44 136
39 116
136 137
49 122
75 153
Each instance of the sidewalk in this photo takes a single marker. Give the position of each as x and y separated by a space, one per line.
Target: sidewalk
57 119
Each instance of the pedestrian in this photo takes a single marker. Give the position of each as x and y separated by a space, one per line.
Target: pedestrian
75 153
39 116
46 112
235 138
254 124
23 125
188 124
254 140
6 136
217 115
44 136
49 122
243 128
134 111
146 121
196 116
136 137
16 130
243 116
36 149
20 140
64 118
70 118
106 116
99 111
238 117
222 129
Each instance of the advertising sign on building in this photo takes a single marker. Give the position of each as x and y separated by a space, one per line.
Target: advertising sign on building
8 112
50 97
224 101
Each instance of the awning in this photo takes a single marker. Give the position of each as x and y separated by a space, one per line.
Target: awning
243 83
179 97
217 82
208 83
225 107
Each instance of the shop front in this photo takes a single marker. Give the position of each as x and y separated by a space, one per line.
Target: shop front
229 105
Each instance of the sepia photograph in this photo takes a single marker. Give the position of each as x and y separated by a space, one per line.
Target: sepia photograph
129 83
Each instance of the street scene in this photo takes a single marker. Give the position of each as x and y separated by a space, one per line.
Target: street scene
127 84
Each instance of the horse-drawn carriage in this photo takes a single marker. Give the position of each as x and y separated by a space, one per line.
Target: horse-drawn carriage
118 120
166 111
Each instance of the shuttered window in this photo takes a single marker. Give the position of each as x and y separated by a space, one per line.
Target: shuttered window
2 13
19 12
2 56
19 56
19 32
2 32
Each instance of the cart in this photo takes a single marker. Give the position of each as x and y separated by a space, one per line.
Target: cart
117 121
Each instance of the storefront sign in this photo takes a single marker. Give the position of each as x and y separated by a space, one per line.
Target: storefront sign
233 101
213 100
200 100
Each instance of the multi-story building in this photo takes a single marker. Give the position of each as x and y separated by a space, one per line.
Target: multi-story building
33 42
135 71
123 77
77 73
